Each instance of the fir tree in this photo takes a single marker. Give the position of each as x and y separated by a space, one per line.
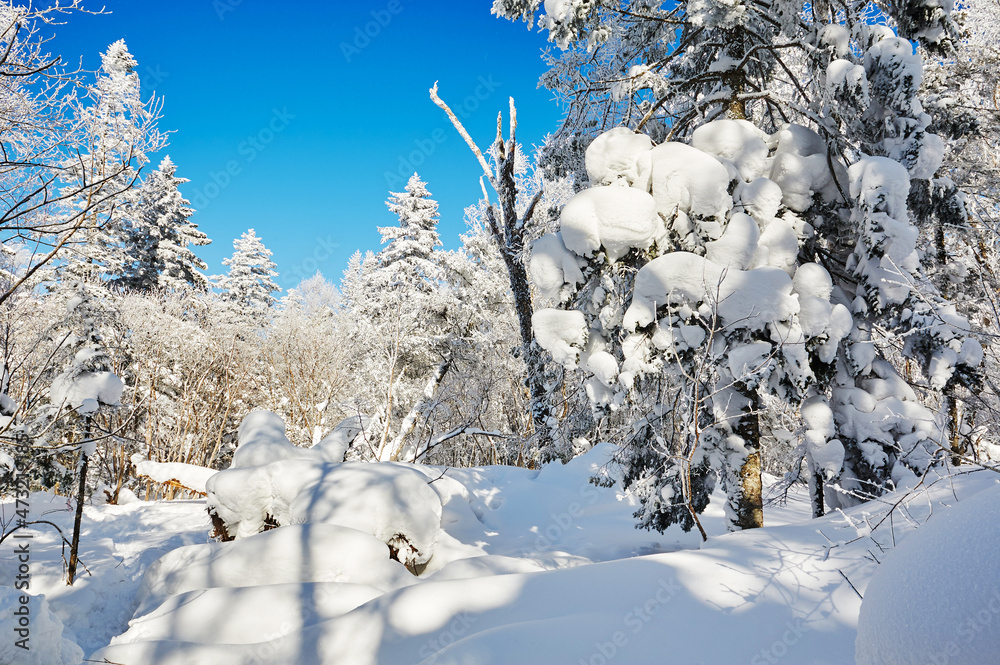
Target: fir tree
249 286
159 236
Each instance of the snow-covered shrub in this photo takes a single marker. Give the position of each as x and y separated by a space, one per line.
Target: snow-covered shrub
273 483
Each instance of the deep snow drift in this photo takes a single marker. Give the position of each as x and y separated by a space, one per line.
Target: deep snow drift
525 567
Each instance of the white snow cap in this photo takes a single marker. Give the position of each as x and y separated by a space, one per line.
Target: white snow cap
744 298
737 141
615 218
562 333
553 268
685 179
613 156
738 244
87 391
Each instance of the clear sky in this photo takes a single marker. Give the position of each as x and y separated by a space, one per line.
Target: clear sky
315 120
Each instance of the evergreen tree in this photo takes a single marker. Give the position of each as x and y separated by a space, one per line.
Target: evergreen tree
824 197
118 131
249 286
159 236
402 309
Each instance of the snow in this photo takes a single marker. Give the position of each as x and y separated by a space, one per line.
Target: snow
604 367
391 502
298 553
744 298
334 446
685 179
87 391
616 219
27 619
935 598
562 333
738 244
189 475
614 156
761 199
553 268
262 439
825 452
531 566
736 141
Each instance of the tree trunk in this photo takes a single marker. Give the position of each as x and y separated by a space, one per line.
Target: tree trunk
747 500
816 485
534 362
74 548
396 450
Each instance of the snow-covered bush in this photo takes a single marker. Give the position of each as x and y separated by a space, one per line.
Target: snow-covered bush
273 483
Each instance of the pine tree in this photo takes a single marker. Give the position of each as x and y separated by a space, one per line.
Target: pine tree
249 286
159 235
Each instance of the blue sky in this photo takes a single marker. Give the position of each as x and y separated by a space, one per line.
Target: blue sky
290 119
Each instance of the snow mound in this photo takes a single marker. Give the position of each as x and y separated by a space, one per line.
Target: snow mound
391 502
935 599
36 636
322 553
240 615
262 440
616 218
614 156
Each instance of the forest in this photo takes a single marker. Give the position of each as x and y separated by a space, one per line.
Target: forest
719 356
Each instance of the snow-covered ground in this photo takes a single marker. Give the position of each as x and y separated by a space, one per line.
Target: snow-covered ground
528 567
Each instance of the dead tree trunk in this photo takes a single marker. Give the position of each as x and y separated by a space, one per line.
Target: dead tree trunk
508 231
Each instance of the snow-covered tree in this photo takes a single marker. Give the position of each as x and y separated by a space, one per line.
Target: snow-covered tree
159 236
249 285
402 309
508 221
118 130
824 196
